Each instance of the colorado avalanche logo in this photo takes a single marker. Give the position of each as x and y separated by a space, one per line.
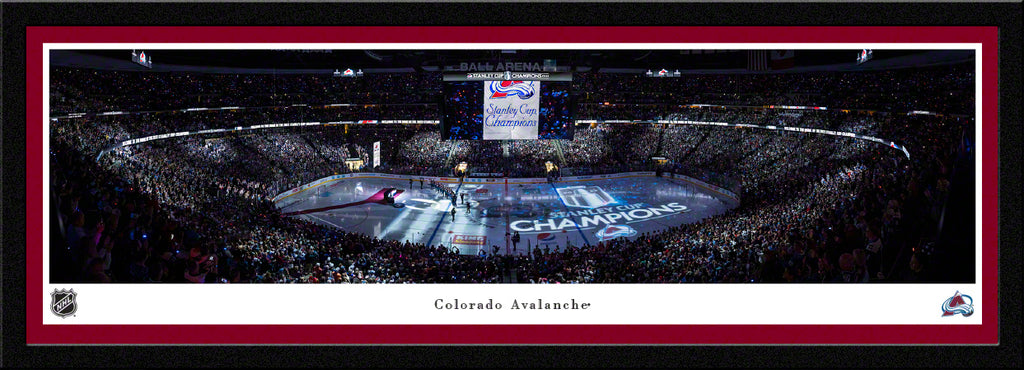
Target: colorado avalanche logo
501 89
958 304
615 231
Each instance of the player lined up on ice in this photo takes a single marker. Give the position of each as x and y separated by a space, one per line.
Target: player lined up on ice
444 189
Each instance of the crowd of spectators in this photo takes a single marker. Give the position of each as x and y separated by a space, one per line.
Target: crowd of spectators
856 217
814 201
948 88
82 89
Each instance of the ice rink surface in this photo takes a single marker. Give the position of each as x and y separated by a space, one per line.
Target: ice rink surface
548 215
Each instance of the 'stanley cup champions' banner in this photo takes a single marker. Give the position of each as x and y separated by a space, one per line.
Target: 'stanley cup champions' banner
511 110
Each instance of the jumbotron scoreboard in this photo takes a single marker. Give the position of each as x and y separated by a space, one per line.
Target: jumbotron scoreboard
507 105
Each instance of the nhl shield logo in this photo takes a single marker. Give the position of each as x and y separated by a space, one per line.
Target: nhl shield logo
63 302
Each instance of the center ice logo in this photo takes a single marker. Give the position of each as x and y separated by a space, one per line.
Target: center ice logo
501 89
615 231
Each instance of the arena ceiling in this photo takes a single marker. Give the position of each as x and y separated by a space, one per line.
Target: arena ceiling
431 59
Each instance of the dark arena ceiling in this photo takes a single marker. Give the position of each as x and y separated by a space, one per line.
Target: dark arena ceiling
419 60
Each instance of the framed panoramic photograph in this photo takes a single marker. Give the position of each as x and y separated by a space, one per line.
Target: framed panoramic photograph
512 185
451 177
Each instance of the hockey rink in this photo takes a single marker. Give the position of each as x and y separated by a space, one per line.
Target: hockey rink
582 210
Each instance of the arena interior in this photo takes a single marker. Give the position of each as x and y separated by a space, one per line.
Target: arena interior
647 166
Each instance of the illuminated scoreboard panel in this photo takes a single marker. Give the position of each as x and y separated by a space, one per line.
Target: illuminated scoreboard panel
507 106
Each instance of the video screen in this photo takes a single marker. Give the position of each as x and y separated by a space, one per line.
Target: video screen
507 110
